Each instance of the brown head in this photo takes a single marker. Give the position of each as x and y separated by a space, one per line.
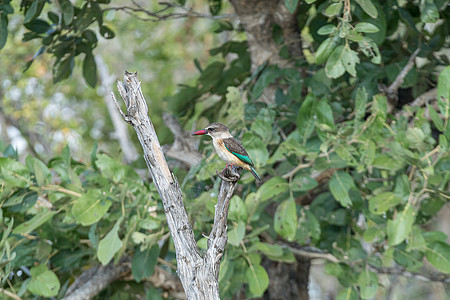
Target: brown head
215 130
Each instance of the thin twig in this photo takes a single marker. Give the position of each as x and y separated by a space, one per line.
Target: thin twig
312 253
9 294
161 15
393 88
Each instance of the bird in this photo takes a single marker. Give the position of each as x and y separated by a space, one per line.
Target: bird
229 149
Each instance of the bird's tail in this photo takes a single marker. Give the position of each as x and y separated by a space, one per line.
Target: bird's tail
255 174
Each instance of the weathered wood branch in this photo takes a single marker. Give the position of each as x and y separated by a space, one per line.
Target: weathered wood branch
199 275
94 280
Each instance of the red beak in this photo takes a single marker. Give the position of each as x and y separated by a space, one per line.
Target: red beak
200 132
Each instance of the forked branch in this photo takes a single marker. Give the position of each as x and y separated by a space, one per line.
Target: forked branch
199 275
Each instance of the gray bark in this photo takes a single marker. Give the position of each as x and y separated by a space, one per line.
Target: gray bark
199 275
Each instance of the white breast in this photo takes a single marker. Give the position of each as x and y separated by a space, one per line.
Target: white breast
223 153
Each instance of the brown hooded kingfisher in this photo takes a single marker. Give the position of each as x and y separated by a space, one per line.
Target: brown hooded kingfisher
229 149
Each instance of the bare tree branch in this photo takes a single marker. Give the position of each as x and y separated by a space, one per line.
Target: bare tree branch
121 133
199 275
160 15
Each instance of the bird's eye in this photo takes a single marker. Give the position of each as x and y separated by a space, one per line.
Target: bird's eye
210 129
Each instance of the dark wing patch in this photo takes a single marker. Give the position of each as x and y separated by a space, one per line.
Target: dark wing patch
235 147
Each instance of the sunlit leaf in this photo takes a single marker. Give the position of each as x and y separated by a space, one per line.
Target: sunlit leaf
43 282
109 245
285 219
399 228
340 184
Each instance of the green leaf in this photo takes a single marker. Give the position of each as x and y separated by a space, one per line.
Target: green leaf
360 103
324 113
267 77
443 92
428 11
370 49
385 162
258 280
272 187
269 250
110 244
90 69
437 121
382 202
333 9
368 7
215 6
3 30
38 26
40 170
334 67
324 50
31 11
43 282
36 221
438 254
144 262
399 229
63 68
237 210
347 294
305 117
368 284
350 59
107 32
366 27
374 234
291 5
14 173
67 11
90 207
340 184
285 219
236 234
302 183
326 30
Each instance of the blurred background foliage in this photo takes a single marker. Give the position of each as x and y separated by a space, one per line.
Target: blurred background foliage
355 162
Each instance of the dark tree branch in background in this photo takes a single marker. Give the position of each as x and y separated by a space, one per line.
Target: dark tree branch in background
419 102
165 13
392 91
183 147
94 280
199 275
315 253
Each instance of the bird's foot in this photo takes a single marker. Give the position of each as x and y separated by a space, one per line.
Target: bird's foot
226 166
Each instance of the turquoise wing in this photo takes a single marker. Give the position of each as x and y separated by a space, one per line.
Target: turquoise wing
235 147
